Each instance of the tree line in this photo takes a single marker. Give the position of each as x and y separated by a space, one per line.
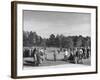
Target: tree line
33 39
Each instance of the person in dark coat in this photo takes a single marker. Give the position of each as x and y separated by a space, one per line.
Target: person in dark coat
34 54
54 54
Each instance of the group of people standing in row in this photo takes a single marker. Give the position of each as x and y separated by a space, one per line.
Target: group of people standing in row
70 54
38 54
76 55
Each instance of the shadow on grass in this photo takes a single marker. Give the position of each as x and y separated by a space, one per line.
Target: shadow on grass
30 63
54 60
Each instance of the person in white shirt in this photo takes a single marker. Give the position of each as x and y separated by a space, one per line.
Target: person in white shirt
66 55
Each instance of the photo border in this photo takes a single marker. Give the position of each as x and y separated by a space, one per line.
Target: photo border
14 38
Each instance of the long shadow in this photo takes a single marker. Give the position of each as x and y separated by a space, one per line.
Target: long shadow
30 63
56 60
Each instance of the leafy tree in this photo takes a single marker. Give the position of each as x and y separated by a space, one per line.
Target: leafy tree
57 41
52 40
79 42
25 38
67 42
61 41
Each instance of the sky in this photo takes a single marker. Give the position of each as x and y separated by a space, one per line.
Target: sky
45 23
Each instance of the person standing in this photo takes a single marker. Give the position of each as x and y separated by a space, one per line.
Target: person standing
38 57
54 54
34 54
66 55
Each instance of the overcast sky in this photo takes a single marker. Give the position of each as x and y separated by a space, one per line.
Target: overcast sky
45 23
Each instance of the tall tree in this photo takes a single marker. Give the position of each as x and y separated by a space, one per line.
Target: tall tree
79 41
57 41
52 40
